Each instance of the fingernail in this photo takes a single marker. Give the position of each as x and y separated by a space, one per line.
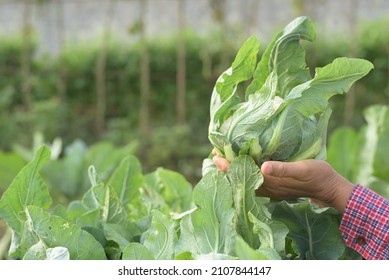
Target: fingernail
268 168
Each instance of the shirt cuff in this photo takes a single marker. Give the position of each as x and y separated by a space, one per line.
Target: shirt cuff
365 223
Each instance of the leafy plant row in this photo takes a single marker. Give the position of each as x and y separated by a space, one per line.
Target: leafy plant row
70 162
159 216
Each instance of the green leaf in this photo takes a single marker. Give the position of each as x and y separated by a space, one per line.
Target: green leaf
342 151
71 168
160 239
104 202
214 256
93 176
245 252
279 232
245 178
286 58
371 167
106 157
315 232
266 238
221 144
381 160
39 251
54 231
102 213
224 96
127 180
36 252
337 77
184 256
152 197
209 229
57 253
26 189
136 251
167 191
313 138
74 210
175 189
208 165
249 120
122 233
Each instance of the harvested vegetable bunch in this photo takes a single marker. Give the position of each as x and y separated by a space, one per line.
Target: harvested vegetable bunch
285 112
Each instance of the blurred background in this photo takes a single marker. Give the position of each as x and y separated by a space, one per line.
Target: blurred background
137 75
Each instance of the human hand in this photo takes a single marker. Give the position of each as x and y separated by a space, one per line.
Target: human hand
307 178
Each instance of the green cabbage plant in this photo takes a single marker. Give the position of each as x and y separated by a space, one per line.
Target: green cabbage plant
285 111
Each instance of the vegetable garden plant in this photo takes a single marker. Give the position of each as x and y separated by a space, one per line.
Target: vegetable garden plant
281 115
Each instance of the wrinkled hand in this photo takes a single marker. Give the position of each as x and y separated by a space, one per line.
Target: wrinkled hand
307 178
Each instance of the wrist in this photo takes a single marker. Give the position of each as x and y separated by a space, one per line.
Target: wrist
342 190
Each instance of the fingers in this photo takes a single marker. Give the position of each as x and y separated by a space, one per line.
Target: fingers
221 163
263 192
284 169
269 168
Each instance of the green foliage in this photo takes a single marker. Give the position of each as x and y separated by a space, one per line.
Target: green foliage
115 211
52 232
308 227
72 163
26 189
285 112
131 215
361 156
209 229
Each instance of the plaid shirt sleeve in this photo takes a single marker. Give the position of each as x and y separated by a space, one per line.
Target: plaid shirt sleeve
365 224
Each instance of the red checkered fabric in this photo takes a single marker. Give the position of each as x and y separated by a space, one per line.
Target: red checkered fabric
365 224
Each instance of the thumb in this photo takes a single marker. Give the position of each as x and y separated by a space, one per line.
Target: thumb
281 169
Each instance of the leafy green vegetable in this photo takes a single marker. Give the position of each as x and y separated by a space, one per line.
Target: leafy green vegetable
245 252
127 180
71 167
54 231
285 112
136 251
314 232
39 252
112 216
26 189
342 149
209 229
245 178
161 237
